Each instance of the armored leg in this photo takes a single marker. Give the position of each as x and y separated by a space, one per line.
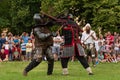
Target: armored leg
50 66
50 59
64 62
32 64
84 63
36 60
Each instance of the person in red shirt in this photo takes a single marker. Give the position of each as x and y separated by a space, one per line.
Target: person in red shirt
110 38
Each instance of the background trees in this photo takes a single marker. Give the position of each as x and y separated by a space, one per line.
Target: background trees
22 12
101 14
4 13
17 15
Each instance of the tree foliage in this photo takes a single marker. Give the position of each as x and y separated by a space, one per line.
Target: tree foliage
22 14
4 13
104 14
18 14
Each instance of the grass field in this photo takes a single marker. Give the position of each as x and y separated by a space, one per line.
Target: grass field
13 71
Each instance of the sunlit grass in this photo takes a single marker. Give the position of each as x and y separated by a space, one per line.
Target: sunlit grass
13 71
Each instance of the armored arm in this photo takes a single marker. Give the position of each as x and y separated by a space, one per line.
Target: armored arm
41 35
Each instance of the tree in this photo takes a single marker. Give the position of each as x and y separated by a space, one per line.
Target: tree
18 14
4 15
107 15
104 14
22 12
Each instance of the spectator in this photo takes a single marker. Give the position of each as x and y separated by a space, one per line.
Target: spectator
16 40
113 54
6 47
23 50
2 55
100 52
110 38
107 46
107 54
29 47
105 35
101 39
96 42
10 41
16 52
25 37
115 36
10 34
2 41
119 38
32 36
56 46
116 47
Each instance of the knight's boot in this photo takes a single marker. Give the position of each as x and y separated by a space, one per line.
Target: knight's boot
89 70
32 65
65 71
50 67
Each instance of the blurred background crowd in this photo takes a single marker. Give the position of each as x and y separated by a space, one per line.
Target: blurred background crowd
21 47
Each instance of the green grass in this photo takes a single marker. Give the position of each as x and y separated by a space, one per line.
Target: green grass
13 71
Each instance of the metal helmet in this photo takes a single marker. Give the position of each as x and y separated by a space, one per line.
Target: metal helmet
36 16
70 16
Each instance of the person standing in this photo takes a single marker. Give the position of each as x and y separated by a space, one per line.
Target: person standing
88 38
10 41
56 46
2 40
25 37
23 50
29 47
6 48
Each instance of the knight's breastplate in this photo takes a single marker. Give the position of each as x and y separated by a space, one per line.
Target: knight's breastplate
68 35
74 29
43 42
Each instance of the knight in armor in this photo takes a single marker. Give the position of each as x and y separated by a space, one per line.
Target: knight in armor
43 43
72 45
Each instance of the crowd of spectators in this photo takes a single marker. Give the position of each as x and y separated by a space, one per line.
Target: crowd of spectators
108 47
15 47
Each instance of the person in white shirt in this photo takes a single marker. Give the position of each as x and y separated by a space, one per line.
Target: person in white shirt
96 42
88 38
101 39
56 46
